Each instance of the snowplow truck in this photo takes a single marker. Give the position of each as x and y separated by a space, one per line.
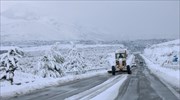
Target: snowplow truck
120 62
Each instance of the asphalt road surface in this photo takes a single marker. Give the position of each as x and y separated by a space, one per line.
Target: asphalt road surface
142 85
64 90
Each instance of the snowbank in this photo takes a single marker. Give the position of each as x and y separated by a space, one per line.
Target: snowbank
165 54
169 75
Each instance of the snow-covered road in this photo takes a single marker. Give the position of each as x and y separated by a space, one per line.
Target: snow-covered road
64 90
140 85
143 85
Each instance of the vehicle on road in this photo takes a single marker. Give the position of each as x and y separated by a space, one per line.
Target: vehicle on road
120 62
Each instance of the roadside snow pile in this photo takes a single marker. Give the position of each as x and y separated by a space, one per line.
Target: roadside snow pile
169 75
165 54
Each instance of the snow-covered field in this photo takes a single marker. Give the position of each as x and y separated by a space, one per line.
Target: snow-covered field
39 67
163 60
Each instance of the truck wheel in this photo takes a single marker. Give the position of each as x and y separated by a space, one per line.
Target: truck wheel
128 69
113 70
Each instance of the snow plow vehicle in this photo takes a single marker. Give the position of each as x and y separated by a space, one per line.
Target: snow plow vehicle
120 64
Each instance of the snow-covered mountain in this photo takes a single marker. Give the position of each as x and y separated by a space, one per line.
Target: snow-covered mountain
24 24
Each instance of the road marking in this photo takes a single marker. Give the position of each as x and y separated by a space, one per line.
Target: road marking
88 94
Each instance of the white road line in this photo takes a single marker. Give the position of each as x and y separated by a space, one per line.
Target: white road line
88 94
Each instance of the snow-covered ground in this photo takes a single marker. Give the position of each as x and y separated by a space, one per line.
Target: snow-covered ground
165 54
163 60
40 67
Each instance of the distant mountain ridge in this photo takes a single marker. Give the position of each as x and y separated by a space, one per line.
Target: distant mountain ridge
23 24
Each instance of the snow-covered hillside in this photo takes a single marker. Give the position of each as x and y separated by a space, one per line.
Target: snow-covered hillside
163 60
166 54
25 24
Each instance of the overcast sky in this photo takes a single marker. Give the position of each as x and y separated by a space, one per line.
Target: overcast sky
120 19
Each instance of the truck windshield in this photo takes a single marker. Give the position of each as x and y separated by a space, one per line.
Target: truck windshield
120 55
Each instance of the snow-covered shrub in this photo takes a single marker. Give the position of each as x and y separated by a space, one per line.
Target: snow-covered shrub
98 57
55 52
50 65
9 63
75 61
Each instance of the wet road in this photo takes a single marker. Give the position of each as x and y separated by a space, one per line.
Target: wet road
64 90
142 85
